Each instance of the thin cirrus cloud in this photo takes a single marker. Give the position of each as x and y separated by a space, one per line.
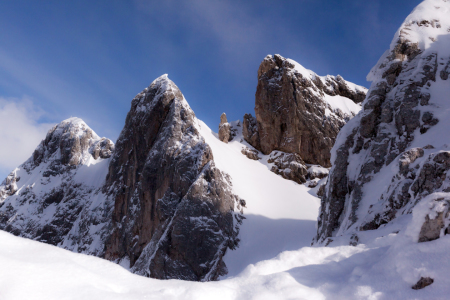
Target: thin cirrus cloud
21 131
232 30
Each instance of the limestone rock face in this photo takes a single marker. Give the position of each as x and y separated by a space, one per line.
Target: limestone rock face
154 202
224 129
289 165
173 215
392 158
298 111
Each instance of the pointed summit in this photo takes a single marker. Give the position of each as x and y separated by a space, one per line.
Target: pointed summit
161 177
71 142
159 205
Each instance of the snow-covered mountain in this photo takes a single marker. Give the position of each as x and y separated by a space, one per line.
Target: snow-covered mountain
391 162
393 155
167 200
155 202
57 190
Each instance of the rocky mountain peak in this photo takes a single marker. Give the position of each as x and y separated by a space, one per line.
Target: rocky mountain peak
298 111
397 141
69 143
162 178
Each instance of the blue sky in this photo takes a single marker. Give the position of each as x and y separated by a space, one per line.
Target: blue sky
90 58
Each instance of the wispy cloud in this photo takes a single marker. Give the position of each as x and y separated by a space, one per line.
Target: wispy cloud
233 27
20 132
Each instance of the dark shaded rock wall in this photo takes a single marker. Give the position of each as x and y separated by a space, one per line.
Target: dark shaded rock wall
168 194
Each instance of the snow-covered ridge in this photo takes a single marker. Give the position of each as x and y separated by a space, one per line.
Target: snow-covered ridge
311 75
121 202
390 174
424 30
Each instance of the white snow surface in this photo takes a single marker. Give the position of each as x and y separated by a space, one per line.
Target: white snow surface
311 75
281 214
346 105
273 260
430 37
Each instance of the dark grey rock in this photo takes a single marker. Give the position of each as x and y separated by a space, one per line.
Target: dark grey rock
169 197
251 153
422 283
289 165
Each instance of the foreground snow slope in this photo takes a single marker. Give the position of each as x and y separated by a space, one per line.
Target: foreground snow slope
381 268
281 214
33 270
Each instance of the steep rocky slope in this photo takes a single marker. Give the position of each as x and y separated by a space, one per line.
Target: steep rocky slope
154 202
44 197
298 111
392 159
173 214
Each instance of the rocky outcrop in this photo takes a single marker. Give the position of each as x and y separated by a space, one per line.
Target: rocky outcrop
251 153
46 196
289 166
422 283
154 202
392 156
102 148
298 111
224 129
69 144
317 172
173 215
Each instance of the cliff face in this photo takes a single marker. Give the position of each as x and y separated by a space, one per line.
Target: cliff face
392 159
154 202
298 111
173 214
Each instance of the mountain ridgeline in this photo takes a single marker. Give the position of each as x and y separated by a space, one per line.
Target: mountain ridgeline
153 202
156 203
391 162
